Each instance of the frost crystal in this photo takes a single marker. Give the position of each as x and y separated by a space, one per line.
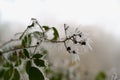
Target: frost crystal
75 42
115 77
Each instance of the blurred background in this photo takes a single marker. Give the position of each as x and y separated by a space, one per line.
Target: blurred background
98 18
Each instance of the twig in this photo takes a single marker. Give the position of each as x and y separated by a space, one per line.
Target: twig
8 42
40 26
65 28
18 33
23 33
38 43
35 21
18 49
35 49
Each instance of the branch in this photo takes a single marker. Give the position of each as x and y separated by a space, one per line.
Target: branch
73 38
8 42
35 21
18 49
24 32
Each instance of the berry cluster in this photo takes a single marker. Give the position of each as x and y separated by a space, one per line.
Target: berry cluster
76 38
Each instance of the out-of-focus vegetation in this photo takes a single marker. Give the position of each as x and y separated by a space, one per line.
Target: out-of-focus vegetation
101 76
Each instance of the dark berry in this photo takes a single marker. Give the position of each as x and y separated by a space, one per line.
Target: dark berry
80 35
74 35
37 43
83 43
73 52
75 41
68 48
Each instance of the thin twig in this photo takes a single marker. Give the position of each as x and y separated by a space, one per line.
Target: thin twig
65 30
24 32
35 49
39 26
65 45
18 33
18 49
38 43
8 42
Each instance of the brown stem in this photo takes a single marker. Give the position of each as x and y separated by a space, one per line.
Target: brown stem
18 49
8 42
23 33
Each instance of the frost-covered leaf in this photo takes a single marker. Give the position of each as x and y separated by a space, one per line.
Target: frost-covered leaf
0 53
13 56
43 51
37 34
39 62
28 66
7 64
23 42
37 55
2 72
56 34
16 75
18 62
46 28
8 74
29 39
26 53
35 74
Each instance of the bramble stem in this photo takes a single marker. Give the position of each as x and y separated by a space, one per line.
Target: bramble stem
8 42
18 49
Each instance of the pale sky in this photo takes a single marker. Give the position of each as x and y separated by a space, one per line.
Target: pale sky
105 13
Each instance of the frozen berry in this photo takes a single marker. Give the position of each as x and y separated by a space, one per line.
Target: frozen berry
74 34
83 43
37 43
73 52
68 48
80 35
75 42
